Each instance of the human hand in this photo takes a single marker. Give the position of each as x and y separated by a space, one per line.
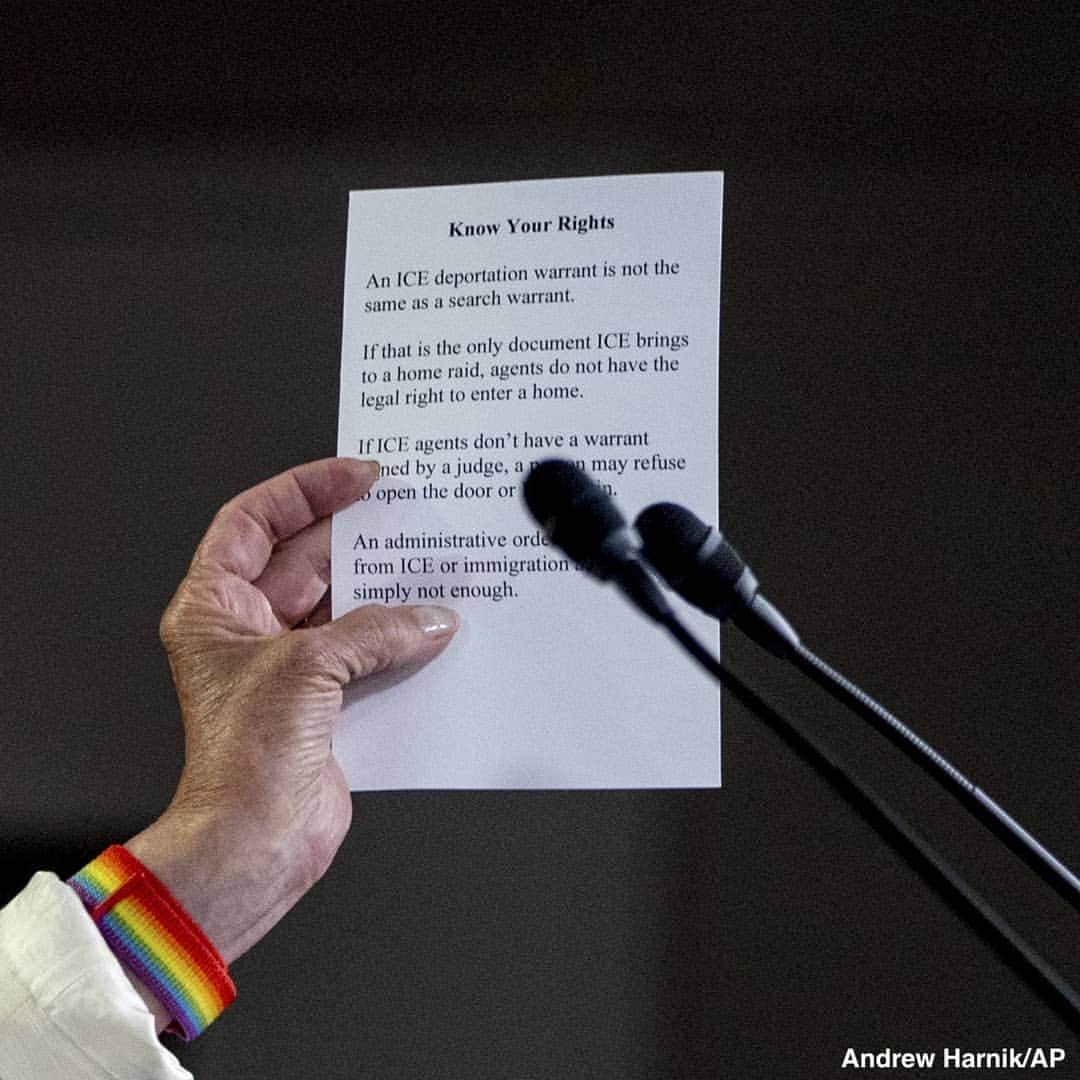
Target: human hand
262 806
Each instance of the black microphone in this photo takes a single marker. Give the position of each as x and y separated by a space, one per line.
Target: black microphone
578 516
705 569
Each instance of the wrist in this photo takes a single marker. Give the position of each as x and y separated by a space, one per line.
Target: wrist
162 949
235 880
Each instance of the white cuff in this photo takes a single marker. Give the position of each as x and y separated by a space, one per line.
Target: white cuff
67 1010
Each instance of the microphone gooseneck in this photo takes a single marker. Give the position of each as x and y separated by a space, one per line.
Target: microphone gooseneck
703 567
580 517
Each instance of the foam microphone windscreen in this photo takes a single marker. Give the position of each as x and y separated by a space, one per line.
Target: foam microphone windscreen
575 512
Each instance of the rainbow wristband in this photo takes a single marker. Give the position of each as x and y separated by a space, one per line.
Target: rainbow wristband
156 939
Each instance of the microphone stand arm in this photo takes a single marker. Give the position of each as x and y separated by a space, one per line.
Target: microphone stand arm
917 852
994 816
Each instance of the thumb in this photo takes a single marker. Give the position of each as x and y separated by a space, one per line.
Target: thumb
375 638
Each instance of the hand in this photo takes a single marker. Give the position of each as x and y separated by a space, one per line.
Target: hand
262 806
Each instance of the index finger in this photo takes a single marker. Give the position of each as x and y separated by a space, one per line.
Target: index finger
242 536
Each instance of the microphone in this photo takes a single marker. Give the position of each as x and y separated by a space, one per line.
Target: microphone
705 569
578 516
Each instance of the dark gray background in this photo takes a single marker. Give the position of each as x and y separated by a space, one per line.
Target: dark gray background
899 394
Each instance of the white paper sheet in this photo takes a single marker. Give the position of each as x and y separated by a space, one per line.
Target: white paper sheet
487 327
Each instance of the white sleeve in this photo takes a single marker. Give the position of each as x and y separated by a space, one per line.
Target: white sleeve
67 1010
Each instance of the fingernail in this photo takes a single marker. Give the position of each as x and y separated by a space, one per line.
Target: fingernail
435 621
373 468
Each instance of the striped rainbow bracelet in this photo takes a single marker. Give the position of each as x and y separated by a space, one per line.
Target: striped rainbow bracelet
156 939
